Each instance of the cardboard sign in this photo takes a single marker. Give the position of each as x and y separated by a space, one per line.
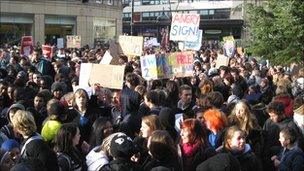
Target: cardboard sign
184 27
181 64
27 45
229 46
60 43
47 51
73 42
154 67
84 76
222 60
131 45
195 45
106 59
109 76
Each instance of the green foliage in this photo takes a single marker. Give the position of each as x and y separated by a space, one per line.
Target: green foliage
277 30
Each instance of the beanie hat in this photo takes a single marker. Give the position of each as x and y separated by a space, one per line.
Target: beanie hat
50 129
122 146
233 99
56 87
10 144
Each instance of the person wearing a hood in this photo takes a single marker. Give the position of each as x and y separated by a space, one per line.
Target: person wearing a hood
8 128
291 156
283 96
235 144
100 155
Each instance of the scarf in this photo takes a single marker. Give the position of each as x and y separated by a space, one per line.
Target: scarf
189 149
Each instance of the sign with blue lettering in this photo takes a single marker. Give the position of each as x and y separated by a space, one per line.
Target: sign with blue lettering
154 66
184 27
195 45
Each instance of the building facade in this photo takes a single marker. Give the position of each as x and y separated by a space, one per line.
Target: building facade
218 18
47 20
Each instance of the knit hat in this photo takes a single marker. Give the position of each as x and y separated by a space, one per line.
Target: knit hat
122 146
233 99
10 144
56 87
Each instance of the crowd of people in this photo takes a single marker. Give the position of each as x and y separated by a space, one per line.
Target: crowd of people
244 116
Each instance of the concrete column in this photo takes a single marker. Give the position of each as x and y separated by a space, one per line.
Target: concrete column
84 29
39 28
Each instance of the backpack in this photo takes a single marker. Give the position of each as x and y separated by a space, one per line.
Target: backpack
64 157
23 149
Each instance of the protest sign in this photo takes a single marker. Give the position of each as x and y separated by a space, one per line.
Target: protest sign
180 64
154 66
27 45
47 51
60 43
150 42
131 45
184 27
229 46
222 60
195 45
109 76
73 41
107 58
84 76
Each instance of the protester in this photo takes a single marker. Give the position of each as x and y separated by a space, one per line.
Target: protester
194 147
235 143
69 157
33 145
291 157
210 93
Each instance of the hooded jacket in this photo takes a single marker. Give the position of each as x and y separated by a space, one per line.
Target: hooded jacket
96 159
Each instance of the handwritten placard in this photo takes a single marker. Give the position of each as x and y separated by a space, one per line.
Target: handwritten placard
195 45
73 41
184 27
181 64
109 76
154 66
131 45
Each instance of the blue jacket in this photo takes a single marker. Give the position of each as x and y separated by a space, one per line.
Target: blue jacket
292 160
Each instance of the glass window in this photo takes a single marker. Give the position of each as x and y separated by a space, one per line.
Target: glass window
145 14
104 29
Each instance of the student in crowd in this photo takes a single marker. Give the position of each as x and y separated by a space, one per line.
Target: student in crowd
149 124
242 117
84 113
122 149
101 129
291 156
194 147
235 143
8 129
69 157
100 155
12 147
216 122
162 151
33 146
56 117
185 104
276 122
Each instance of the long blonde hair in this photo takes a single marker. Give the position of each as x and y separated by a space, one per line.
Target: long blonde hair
247 122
